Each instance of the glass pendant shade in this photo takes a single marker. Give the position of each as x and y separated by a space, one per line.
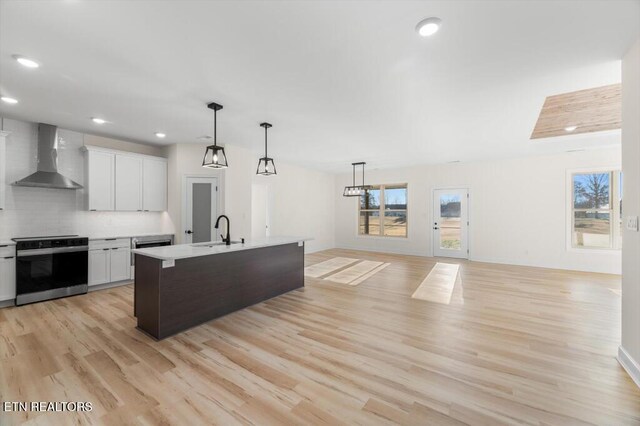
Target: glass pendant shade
356 190
214 156
353 191
266 166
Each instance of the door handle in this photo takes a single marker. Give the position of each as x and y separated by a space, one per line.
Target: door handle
188 232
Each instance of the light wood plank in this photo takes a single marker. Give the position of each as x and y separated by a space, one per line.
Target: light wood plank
590 110
524 346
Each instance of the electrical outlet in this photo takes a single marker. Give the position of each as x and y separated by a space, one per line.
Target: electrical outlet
632 223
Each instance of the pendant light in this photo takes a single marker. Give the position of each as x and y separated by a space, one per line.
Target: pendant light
266 166
214 156
356 190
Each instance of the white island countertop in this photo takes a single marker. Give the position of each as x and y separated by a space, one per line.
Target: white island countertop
183 251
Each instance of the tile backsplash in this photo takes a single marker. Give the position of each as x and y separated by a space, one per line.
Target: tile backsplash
40 211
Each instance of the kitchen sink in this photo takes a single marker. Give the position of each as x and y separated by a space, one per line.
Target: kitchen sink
213 244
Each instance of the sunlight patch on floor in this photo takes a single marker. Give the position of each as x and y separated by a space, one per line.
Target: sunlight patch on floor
438 286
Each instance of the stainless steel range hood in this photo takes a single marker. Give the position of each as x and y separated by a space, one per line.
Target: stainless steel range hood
47 175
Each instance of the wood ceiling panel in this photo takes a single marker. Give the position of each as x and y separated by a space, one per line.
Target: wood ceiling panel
591 110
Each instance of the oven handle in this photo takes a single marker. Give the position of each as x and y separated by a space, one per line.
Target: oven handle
38 252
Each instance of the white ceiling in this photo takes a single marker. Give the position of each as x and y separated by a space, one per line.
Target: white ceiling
340 80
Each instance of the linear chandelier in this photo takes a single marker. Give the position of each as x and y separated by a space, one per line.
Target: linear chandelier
356 190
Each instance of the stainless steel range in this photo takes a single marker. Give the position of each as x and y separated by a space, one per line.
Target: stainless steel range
51 267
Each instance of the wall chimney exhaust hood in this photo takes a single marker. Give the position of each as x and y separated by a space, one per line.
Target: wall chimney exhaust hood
47 175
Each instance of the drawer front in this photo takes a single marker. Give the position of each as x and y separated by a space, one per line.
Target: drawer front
110 243
7 251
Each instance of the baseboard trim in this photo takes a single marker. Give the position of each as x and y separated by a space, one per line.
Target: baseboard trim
383 250
109 285
629 364
7 303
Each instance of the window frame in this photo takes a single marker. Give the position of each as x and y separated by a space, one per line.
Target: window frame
615 226
381 210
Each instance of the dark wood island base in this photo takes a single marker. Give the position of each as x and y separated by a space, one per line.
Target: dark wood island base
195 290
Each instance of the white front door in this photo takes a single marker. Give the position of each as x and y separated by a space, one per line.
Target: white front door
451 223
200 209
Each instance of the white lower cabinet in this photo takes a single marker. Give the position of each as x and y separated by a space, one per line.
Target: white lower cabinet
7 278
120 264
99 265
109 261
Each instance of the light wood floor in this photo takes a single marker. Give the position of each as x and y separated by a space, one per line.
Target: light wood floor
515 346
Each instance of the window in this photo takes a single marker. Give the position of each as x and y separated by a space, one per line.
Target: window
596 214
383 211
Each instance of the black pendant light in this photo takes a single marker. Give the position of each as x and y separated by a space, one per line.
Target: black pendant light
214 156
266 166
356 190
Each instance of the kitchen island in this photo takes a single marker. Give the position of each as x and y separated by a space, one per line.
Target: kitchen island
182 286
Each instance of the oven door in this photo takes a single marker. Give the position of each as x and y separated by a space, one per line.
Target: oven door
50 269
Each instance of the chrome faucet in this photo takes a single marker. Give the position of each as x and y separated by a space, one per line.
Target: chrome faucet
226 240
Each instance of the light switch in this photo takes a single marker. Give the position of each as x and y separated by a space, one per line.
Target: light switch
632 223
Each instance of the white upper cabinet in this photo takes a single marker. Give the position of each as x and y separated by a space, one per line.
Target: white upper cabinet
123 181
100 172
128 183
154 188
3 159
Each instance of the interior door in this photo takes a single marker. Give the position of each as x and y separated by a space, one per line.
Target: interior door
451 223
201 209
260 216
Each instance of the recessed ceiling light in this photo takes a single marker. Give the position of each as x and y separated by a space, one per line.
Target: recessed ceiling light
9 100
160 135
98 120
428 27
570 128
29 63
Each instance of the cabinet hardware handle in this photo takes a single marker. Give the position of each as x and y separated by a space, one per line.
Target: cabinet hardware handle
106 249
9 257
92 210
110 239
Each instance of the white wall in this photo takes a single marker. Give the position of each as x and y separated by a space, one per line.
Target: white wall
631 248
302 199
40 211
518 210
301 204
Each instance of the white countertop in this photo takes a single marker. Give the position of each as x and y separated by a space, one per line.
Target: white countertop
149 234
7 243
183 251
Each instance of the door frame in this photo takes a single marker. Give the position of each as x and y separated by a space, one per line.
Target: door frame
218 197
432 217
